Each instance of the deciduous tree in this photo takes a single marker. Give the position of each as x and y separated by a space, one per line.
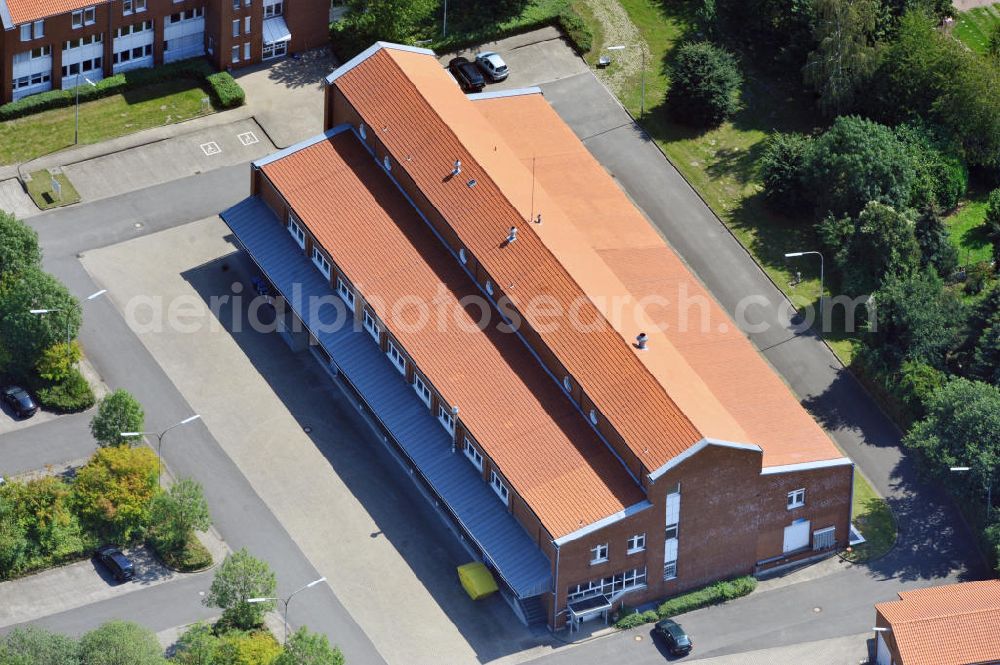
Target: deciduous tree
239 578
36 646
19 248
845 52
118 412
114 490
121 643
177 513
306 648
705 85
23 335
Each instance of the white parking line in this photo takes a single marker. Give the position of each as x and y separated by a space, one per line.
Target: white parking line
211 148
248 138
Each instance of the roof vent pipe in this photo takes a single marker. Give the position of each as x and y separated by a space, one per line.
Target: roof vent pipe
512 236
539 219
640 341
458 167
454 410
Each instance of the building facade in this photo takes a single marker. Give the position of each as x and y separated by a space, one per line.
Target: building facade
586 470
64 43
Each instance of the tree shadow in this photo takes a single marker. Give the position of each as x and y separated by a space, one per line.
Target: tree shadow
976 237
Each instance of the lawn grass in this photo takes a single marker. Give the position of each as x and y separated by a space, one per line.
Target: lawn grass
43 194
464 30
720 163
873 517
192 557
967 229
973 28
102 119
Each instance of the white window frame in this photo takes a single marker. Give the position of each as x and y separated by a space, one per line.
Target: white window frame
90 15
38 29
246 51
77 19
127 7
499 488
236 4
623 582
463 256
636 543
139 5
670 552
473 454
446 419
599 554
371 325
236 53
796 499
345 293
321 262
420 387
26 32
294 226
246 25
387 163
396 357
489 287
236 27
272 9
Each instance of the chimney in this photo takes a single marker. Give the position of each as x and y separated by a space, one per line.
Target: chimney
640 341
458 167
539 220
512 236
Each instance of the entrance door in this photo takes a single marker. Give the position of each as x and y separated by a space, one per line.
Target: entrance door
796 536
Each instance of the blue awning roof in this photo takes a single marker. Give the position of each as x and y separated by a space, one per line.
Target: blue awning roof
504 543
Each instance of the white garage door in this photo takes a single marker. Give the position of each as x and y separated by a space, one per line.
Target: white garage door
882 656
796 535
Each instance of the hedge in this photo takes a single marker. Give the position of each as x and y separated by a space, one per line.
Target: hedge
713 594
70 395
222 86
573 26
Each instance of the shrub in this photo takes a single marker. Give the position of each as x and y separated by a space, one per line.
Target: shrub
196 646
636 619
941 177
704 85
780 168
576 30
305 648
936 248
177 513
31 645
113 491
716 593
121 643
226 90
917 381
244 648
70 395
58 360
992 223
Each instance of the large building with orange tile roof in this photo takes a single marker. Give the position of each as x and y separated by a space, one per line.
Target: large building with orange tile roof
53 44
954 624
513 325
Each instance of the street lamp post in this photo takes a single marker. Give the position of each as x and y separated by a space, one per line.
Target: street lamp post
286 601
642 99
790 255
989 488
76 129
159 441
69 351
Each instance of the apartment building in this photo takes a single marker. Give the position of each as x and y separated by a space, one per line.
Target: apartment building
54 44
484 287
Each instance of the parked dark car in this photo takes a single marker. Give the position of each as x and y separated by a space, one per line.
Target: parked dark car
467 74
20 401
678 643
116 562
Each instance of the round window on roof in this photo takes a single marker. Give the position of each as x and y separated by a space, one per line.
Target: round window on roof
593 416
489 287
462 256
386 163
567 384
363 131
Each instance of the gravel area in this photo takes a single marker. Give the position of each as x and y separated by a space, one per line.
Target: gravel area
619 31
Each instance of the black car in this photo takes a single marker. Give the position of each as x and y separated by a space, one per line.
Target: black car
678 643
467 74
117 563
20 401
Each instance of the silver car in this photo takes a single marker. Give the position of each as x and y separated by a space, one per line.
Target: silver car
492 65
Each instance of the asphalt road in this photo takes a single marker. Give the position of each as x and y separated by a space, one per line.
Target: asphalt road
240 516
56 442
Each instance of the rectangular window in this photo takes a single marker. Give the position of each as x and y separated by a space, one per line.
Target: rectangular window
246 27
41 51
345 293
246 51
295 227
371 325
273 8
26 32
39 29
499 488
824 538
636 543
236 4
670 559
140 5
446 419
598 554
236 53
126 6
608 586
796 499
423 392
396 356
320 262
236 29
89 16
474 456
77 18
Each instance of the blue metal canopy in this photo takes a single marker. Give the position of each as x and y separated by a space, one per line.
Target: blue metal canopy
504 543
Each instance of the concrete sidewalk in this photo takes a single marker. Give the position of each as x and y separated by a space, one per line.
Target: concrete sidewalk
847 650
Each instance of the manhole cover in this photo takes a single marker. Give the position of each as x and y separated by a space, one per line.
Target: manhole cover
138 225
638 638
817 609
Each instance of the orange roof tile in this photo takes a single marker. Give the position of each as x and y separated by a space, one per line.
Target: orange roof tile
427 123
954 624
620 237
24 11
506 400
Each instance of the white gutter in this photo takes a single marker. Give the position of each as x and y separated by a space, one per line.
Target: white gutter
369 52
805 466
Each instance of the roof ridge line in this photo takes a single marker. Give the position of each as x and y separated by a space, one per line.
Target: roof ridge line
548 250
948 615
